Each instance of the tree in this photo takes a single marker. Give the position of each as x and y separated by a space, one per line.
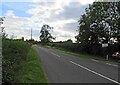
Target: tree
83 35
69 41
22 38
99 24
46 36
101 21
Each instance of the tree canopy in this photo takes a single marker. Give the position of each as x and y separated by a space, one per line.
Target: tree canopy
100 23
46 36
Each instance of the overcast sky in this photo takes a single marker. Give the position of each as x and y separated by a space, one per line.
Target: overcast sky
60 14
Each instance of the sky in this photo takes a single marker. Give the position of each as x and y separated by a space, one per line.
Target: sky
62 15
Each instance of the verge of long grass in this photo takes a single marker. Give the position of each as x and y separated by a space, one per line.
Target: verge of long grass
31 70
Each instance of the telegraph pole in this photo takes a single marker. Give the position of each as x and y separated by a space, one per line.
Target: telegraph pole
31 33
1 34
1 26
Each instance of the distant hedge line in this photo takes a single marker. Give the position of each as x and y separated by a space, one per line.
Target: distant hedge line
96 49
13 51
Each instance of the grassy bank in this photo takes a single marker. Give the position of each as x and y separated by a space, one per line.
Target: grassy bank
31 70
83 56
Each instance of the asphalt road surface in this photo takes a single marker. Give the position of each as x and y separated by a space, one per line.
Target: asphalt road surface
64 68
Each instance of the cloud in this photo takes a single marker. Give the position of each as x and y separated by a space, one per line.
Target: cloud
10 13
73 11
72 27
16 25
58 15
62 15
83 2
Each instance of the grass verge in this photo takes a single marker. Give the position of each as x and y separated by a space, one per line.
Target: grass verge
83 56
31 70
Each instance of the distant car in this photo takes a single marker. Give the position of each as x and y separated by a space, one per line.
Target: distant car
116 55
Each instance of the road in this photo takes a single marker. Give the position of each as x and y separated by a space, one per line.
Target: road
64 68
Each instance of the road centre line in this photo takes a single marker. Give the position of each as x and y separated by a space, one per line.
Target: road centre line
95 72
55 54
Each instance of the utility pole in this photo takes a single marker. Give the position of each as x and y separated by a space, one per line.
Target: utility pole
1 34
1 26
31 33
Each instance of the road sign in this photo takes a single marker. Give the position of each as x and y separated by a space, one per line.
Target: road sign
105 45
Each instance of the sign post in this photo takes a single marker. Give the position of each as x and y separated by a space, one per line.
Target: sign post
106 45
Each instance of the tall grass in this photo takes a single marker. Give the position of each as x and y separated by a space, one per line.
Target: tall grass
31 70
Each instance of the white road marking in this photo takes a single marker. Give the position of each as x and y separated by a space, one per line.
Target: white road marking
94 60
95 72
105 63
112 64
55 54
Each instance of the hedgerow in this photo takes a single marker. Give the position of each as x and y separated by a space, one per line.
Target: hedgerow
92 49
13 51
